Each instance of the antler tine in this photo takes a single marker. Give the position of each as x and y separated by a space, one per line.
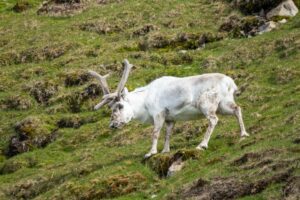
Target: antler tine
127 68
102 80
102 103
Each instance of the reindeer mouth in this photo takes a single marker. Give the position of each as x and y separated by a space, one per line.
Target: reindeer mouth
117 125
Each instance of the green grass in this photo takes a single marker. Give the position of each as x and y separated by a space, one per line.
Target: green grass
79 160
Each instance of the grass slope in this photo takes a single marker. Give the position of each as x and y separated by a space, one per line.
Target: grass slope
91 161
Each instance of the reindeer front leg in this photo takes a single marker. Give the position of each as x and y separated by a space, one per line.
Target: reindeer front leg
158 124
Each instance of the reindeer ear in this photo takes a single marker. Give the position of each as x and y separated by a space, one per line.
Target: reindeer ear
124 93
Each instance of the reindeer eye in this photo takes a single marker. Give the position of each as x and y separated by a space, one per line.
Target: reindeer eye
120 106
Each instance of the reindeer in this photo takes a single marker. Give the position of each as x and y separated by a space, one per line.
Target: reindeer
169 99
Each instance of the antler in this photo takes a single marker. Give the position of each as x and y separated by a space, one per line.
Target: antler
108 96
102 80
127 68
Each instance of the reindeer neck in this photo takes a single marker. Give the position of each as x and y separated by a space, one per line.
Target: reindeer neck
136 99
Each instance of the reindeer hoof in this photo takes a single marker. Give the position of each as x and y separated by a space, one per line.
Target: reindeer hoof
243 135
165 151
148 155
201 148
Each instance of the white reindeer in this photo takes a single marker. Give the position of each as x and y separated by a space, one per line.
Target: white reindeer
169 99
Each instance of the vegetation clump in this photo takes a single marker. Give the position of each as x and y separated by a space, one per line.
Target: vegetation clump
16 102
42 91
21 6
74 121
75 101
76 78
231 187
31 132
34 54
61 7
100 27
255 6
12 165
142 31
181 40
161 163
242 27
110 187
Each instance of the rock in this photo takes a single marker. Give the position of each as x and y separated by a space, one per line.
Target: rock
269 26
285 9
175 167
283 21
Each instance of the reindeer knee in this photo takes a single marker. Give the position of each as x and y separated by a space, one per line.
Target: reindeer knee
213 120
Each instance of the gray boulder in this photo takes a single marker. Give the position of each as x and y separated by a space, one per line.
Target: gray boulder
285 9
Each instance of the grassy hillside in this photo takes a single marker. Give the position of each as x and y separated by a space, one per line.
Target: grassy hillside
46 101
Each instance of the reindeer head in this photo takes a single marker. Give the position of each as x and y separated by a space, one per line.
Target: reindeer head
122 112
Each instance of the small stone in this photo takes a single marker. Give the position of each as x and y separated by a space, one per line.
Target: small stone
175 167
183 51
269 26
283 21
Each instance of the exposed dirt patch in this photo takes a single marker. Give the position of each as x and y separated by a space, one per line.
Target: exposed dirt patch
156 40
42 91
230 187
254 156
61 7
296 141
238 27
278 165
92 91
76 78
74 121
76 100
255 6
262 163
16 102
105 2
100 27
31 132
144 30
291 190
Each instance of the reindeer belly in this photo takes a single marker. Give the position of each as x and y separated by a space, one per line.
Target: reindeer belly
186 113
